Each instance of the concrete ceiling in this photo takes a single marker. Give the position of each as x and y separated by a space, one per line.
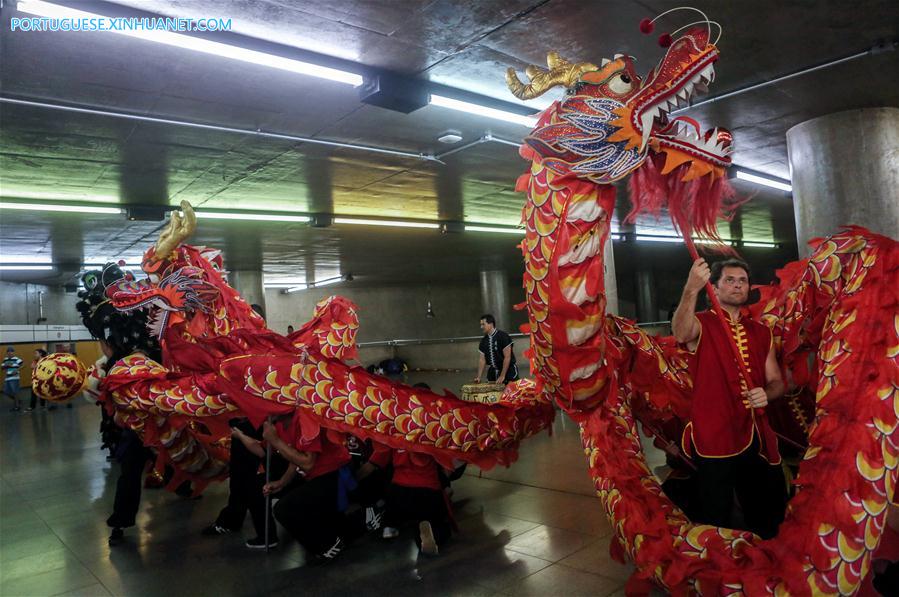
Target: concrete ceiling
59 155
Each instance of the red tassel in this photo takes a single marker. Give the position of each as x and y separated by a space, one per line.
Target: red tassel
665 40
646 26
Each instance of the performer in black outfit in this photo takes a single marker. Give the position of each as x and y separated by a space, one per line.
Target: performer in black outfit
496 353
120 335
245 483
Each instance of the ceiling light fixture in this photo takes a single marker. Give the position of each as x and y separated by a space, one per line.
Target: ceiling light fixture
83 209
765 181
661 238
32 259
747 243
261 217
479 110
395 223
450 137
198 44
24 268
494 229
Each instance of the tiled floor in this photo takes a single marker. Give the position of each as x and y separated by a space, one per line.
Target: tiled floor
533 529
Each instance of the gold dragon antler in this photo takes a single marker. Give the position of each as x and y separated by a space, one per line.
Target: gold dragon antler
181 226
561 72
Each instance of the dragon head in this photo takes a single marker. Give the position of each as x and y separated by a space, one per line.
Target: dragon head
181 291
611 120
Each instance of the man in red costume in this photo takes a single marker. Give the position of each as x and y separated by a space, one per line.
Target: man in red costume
728 435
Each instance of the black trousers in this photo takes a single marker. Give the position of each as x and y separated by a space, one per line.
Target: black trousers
511 374
309 512
760 487
417 504
132 457
371 489
34 400
245 491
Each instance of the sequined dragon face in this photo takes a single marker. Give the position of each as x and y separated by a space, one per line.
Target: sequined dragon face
179 291
611 118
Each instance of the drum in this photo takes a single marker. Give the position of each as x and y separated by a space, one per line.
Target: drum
485 393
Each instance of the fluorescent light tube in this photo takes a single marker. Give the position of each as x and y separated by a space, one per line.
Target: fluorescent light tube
479 110
396 223
25 268
83 209
32 259
755 244
492 229
262 217
197 44
660 239
678 239
768 182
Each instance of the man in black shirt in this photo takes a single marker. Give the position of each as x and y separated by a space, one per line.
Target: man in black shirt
496 353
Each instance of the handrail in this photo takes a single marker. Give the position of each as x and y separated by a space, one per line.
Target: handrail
424 341
418 341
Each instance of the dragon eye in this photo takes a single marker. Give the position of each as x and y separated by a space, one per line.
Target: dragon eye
620 83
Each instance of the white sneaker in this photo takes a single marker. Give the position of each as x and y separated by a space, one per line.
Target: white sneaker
373 518
390 533
428 543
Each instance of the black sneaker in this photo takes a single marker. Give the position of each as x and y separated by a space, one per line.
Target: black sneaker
259 543
214 529
330 554
116 536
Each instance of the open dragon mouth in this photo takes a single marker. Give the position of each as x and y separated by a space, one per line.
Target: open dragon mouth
651 113
685 73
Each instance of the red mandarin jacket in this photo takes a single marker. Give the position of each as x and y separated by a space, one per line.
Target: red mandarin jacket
720 424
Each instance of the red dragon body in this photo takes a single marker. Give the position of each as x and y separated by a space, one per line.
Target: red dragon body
836 310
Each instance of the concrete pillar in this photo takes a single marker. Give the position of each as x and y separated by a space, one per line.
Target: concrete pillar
845 170
647 308
495 297
610 281
249 284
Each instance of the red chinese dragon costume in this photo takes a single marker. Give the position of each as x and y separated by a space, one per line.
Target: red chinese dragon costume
834 320
833 315
219 361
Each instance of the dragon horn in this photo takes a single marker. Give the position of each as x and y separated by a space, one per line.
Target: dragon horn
560 72
179 229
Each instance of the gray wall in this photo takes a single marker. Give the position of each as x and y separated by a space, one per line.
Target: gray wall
391 312
19 304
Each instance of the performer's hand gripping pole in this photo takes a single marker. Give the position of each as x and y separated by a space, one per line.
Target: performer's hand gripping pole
716 305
